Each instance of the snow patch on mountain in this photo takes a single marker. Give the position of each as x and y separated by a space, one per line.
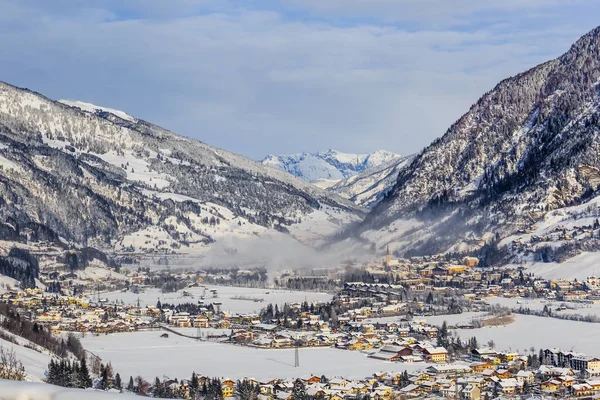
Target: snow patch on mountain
367 188
326 166
92 108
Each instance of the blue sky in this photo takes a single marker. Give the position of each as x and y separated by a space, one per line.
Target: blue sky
265 76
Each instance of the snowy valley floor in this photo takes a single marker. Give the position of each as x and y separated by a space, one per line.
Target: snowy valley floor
149 355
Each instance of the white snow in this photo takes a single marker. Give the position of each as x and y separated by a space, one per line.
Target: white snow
99 273
92 108
583 309
137 169
9 164
330 165
539 332
136 353
225 296
35 362
579 267
168 196
13 390
8 283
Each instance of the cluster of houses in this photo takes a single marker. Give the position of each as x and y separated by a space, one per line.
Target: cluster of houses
490 374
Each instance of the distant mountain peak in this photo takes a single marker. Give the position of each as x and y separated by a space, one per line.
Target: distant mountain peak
327 165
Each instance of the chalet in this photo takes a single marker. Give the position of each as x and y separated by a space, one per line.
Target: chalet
435 354
581 390
525 376
509 386
550 386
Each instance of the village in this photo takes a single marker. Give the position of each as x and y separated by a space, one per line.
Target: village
385 318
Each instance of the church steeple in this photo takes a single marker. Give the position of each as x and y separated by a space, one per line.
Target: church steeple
388 258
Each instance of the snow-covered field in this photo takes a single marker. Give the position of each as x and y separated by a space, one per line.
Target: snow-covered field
149 355
11 390
579 267
435 320
455 318
225 295
538 304
527 331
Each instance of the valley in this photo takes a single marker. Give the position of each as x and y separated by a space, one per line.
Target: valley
137 261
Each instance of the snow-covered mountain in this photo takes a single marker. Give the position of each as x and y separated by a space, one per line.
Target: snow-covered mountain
327 167
367 188
528 146
94 176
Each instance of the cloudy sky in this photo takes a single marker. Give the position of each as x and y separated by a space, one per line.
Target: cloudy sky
266 76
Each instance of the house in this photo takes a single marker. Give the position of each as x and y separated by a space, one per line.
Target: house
503 373
550 386
479 367
583 389
471 392
525 376
483 353
227 388
435 354
412 390
200 322
509 386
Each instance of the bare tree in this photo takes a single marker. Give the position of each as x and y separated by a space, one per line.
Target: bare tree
10 366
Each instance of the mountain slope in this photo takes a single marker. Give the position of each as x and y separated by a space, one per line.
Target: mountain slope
368 187
96 176
330 165
528 146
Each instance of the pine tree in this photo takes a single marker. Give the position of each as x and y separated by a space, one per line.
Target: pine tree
118 383
194 386
52 377
130 385
214 390
84 375
109 376
247 390
158 388
299 390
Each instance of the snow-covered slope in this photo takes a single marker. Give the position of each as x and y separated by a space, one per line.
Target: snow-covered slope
12 390
368 187
97 176
330 165
530 145
92 108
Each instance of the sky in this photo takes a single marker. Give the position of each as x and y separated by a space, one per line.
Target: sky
260 77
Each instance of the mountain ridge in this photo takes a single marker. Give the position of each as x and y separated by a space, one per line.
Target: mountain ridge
95 178
327 165
527 146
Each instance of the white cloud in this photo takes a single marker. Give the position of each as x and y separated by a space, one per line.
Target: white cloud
260 81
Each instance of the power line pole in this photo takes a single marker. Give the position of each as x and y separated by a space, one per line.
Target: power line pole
297 356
